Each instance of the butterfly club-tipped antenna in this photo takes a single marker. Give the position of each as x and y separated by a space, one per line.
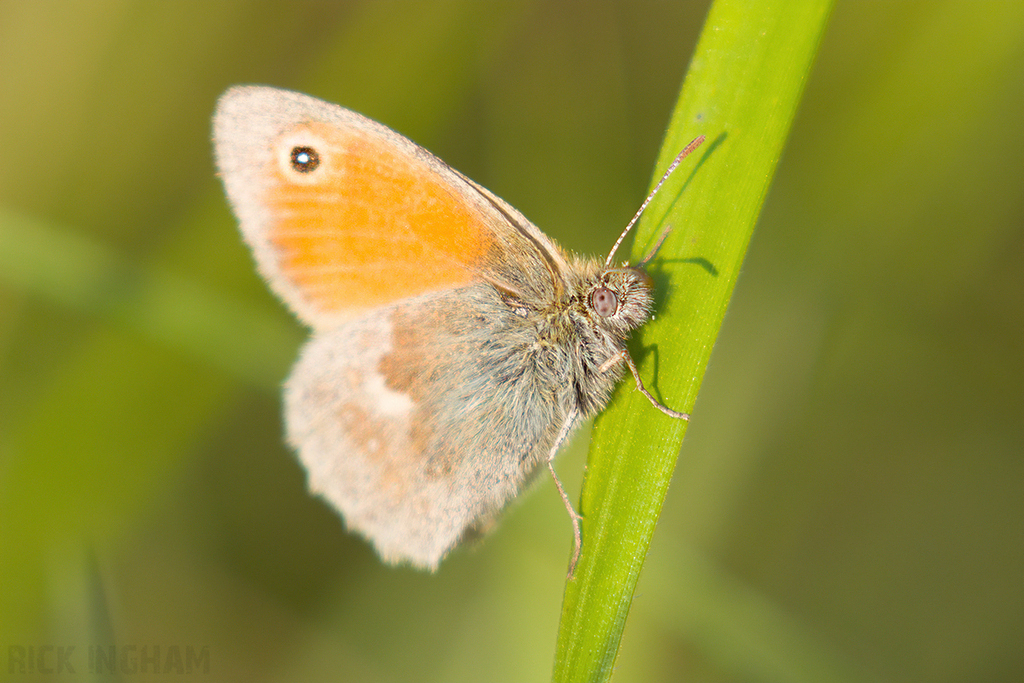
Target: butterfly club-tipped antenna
694 144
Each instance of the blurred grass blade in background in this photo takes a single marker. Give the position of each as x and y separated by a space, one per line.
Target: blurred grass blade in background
741 92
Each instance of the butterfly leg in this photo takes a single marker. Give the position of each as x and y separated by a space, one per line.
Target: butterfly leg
657 245
563 434
624 356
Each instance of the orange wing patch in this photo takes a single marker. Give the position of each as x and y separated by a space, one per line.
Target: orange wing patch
371 224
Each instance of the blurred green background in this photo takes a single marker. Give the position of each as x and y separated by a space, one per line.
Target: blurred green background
855 466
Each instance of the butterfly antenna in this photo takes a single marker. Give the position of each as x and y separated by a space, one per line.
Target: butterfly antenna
694 144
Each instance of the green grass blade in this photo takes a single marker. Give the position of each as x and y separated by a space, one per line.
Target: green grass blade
741 92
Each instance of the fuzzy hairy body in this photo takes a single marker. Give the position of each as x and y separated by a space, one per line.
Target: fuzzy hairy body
474 382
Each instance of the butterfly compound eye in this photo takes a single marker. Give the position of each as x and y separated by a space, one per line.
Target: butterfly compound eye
304 159
604 301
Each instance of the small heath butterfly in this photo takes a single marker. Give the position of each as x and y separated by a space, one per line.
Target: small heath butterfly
454 345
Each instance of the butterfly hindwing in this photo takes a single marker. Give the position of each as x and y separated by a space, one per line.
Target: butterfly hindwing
416 425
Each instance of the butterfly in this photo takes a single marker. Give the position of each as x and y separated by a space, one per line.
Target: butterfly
454 346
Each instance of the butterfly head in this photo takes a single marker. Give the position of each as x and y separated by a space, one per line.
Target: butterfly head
620 300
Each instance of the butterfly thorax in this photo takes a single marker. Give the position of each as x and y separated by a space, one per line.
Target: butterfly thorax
590 325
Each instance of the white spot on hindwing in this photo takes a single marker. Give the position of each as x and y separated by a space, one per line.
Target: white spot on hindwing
384 401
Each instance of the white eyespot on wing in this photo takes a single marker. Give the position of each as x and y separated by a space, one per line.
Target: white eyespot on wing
386 401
